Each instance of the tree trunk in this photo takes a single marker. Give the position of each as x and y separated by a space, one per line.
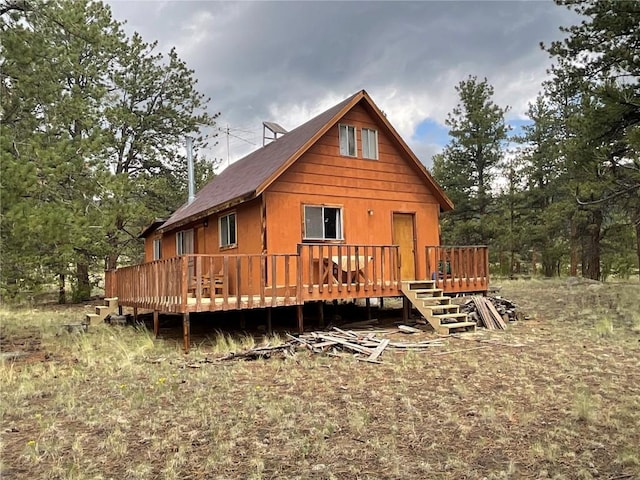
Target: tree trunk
573 241
591 247
111 262
83 285
548 266
62 292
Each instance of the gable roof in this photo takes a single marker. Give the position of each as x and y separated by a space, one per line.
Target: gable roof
250 176
152 227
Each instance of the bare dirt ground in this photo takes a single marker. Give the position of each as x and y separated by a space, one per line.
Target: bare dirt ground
557 396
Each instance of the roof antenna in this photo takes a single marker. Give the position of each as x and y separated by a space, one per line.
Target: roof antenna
190 176
275 130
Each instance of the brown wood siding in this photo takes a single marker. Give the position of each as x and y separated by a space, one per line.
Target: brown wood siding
324 177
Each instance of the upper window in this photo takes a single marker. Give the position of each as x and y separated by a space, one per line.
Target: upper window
369 143
228 230
322 223
157 249
348 140
184 242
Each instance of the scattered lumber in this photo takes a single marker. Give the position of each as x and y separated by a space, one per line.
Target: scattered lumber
365 346
407 329
493 313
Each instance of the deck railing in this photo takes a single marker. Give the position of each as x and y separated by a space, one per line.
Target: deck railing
459 268
318 271
348 271
207 282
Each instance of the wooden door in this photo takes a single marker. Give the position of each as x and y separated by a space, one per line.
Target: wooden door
404 237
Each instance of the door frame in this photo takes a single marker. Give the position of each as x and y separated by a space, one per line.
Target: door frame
415 239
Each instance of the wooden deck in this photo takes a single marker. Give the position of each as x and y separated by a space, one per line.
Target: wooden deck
316 272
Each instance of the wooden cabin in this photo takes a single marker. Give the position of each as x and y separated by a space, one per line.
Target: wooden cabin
338 208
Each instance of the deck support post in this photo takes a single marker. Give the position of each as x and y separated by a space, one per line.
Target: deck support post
367 302
269 326
381 302
321 314
300 318
186 331
243 321
135 315
406 309
156 323
120 310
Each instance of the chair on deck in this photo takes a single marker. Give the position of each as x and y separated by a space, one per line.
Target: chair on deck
206 284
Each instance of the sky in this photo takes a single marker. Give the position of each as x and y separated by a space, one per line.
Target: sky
288 61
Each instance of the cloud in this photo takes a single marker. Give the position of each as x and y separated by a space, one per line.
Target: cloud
287 61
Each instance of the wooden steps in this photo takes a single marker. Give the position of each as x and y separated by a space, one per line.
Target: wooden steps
110 306
444 316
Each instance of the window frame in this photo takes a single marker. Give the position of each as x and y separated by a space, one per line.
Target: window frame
229 244
376 144
355 140
157 249
339 225
180 237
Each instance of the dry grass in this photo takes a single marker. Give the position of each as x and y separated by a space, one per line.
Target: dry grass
115 403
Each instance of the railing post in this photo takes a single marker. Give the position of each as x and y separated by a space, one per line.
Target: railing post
184 286
287 278
238 281
274 277
225 276
311 279
263 278
250 281
299 274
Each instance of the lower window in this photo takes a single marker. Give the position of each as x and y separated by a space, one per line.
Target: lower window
322 223
228 230
157 249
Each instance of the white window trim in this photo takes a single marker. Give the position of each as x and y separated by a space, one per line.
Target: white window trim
355 140
235 221
180 242
324 238
157 248
375 135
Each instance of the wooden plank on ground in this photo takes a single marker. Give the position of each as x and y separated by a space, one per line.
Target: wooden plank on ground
499 322
407 329
346 343
345 333
379 349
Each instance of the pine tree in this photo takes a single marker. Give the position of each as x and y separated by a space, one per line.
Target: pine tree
92 133
598 65
466 166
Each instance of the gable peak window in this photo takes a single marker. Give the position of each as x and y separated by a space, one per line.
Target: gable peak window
227 228
348 145
322 223
369 143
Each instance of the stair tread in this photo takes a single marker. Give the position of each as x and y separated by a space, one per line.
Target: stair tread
440 300
419 284
458 324
441 306
450 315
